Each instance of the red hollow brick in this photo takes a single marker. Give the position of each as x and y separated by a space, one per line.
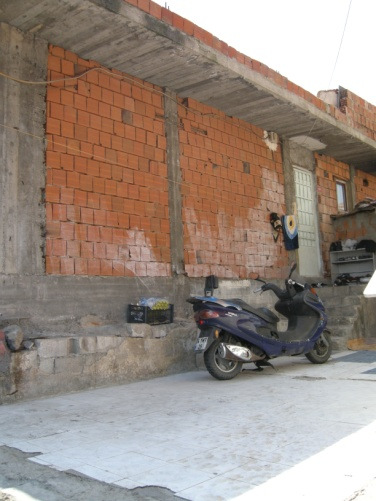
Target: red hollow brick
93 267
67 266
99 250
52 194
73 248
80 232
87 250
53 265
106 267
59 247
59 212
54 63
80 266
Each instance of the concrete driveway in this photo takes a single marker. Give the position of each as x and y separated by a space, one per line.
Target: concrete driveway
302 432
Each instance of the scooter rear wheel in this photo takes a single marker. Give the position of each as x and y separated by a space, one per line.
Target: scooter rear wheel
218 367
322 349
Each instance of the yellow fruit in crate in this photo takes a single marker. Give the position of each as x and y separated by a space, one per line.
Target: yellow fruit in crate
160 305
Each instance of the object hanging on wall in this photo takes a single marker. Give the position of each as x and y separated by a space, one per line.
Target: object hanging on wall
275 221
290 232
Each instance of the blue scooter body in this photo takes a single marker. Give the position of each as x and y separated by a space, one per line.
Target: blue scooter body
259 326
232 332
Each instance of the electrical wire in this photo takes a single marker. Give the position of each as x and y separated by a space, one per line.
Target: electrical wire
340 45
250 128
79 151
51 141
164 94
69 148
131 80
46 82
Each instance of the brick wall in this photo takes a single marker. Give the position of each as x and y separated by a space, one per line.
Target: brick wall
361 225
365 186
231 183
106 174
327 171
358 226
107 192
359 113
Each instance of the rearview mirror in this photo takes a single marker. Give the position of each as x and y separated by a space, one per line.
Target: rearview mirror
211 283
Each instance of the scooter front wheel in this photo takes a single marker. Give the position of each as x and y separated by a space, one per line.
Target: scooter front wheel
322 350
218 367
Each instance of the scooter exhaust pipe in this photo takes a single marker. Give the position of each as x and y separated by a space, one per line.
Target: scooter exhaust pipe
238 353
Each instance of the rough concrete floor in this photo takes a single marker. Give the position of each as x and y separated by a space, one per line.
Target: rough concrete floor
23 480
300 432
19 476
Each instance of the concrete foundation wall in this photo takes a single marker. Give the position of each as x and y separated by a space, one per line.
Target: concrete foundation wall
59 306
369 317
78 336
65 364
53 305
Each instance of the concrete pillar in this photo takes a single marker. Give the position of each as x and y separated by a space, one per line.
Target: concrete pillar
352 190
288 173
22 173
174 182
290 196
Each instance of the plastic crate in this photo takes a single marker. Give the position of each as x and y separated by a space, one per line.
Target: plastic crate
145 315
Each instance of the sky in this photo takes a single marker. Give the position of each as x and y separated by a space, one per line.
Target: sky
307 41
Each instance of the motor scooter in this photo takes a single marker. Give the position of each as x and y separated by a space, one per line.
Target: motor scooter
232 332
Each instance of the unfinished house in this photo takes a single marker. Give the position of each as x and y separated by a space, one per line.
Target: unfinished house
140 154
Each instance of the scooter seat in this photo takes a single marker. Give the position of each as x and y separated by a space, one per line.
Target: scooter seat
262 312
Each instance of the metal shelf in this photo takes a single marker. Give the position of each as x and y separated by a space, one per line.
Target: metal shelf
352 263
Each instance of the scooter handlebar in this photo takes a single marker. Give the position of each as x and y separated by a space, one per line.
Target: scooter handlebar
292 287
281 294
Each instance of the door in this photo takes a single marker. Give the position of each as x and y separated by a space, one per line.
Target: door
309 249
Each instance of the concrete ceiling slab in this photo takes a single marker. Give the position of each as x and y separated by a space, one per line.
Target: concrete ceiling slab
122 37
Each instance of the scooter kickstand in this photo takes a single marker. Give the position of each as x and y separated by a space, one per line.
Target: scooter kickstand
260 363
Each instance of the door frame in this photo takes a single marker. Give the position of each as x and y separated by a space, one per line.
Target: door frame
317 246
294 155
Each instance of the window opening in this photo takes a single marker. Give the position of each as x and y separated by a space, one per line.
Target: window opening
341 196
